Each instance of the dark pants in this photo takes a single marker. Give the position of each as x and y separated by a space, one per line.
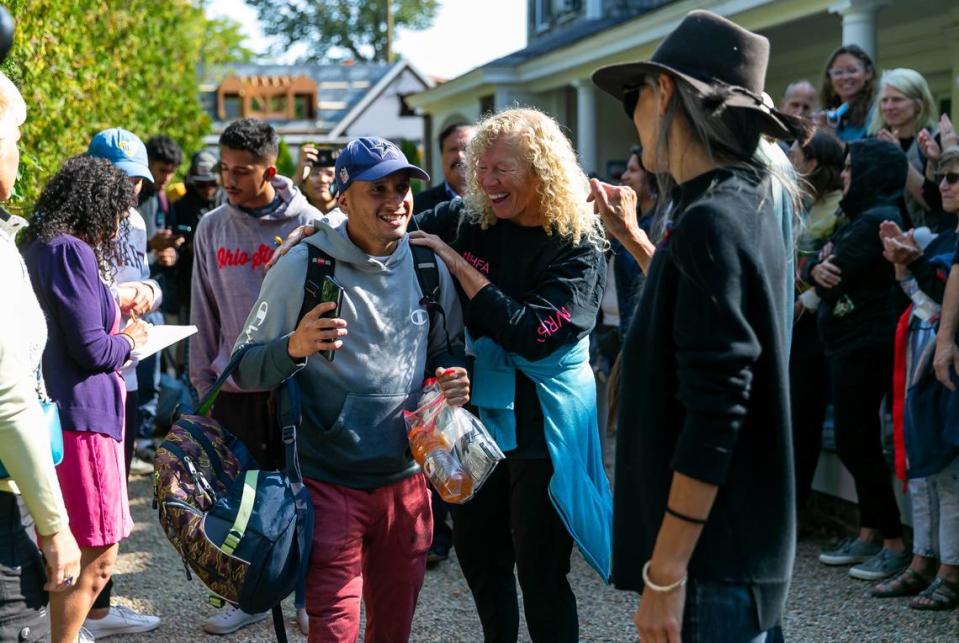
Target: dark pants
511 521
442 533
809 395
859 380
23 602
148 383
248 417
131 417
723 612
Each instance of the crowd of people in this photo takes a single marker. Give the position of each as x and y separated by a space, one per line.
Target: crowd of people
754 267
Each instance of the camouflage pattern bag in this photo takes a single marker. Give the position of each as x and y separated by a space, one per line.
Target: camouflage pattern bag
245 533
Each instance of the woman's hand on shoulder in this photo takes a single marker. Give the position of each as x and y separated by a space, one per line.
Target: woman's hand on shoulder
291 240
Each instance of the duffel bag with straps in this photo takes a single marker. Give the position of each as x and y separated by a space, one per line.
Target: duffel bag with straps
244 532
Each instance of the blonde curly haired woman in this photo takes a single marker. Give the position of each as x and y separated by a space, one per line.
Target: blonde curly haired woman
527 251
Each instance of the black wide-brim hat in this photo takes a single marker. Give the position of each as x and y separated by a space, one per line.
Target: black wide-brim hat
720 60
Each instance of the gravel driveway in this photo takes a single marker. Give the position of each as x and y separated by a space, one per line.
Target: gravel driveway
824 605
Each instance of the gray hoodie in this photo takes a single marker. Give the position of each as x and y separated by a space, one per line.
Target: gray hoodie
352 430
231 249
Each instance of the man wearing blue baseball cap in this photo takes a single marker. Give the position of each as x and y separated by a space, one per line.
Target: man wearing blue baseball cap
373 518
136 294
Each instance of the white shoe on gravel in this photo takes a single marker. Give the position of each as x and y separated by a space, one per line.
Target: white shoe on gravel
230 619
84 636
140 467
121 620
303 621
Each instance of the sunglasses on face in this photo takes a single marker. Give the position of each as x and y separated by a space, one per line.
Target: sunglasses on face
630 99
949 177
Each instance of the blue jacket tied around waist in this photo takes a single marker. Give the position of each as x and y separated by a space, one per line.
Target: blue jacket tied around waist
566 389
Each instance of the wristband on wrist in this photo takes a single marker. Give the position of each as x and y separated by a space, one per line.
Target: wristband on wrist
662 589
129 338
684 517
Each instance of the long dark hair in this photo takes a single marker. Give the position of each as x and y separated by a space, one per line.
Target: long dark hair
829 154
860 105
88 199
730 135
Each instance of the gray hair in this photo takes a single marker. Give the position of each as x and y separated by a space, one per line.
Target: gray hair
730 137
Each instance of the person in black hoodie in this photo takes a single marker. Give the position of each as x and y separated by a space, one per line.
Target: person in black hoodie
857 321
704 511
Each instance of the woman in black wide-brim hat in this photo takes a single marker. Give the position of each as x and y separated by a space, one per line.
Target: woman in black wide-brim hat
704 508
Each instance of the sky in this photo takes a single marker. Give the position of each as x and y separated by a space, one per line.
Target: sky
465 34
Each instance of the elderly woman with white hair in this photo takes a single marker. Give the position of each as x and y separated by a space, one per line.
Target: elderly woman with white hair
24 445
905 114
527 252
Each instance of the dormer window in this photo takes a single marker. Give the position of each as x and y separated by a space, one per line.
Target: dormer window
542 14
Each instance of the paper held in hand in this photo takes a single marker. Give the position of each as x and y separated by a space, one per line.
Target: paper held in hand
159 337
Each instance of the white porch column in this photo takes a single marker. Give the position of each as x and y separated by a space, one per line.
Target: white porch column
586 141
859 22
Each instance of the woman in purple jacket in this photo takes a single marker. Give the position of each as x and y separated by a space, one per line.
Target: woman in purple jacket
71 235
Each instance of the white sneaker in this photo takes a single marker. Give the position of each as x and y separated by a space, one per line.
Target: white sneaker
140 467
84 636
303 621
230 619
120 620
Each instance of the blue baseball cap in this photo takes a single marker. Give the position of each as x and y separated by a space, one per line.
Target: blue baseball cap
124 149
370 158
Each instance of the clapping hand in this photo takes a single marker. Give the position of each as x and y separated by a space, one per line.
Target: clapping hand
899 247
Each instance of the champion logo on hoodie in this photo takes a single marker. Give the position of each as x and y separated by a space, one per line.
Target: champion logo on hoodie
236 258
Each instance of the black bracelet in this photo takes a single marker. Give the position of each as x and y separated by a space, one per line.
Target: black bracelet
683 517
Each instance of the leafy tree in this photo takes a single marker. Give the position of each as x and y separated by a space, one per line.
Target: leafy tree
339 29
85 65
284 160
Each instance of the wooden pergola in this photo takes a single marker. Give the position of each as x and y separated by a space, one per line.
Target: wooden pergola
267 97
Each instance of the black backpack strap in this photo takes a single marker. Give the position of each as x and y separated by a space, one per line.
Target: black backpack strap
428 276
319 265
207 402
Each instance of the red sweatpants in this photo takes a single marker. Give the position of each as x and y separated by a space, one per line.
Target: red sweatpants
371 543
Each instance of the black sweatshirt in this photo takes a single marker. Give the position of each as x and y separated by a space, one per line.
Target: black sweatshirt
859 312
705 392
544 293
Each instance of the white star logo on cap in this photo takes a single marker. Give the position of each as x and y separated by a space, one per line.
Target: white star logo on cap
387 150
344 175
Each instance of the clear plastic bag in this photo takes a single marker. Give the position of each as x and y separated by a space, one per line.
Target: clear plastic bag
455 450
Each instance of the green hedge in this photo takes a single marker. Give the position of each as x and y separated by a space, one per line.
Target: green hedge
85 65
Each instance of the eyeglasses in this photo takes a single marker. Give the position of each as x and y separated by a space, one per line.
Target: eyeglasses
949 177
839 72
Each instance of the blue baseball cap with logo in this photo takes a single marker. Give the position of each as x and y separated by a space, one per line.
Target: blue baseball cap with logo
124 149
371 158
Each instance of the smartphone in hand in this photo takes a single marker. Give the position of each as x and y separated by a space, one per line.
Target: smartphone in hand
331 291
